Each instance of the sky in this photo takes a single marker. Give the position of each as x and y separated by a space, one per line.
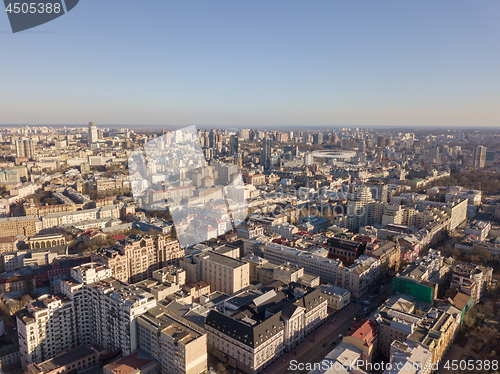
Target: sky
256 64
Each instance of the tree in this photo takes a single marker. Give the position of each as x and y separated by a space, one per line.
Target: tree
221 368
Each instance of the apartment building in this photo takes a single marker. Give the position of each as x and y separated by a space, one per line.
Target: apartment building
388 253
478 229
8 244
170 273
436 331
135 258
106 311
222 273
473 280
255 262
178 348
360 276
249 231
473 196
344 358
45 328
425 278
329 270
344 250
396 320
90 273
138 362
169 251
409 356
337 297
455 208
13 226
112 211
34 210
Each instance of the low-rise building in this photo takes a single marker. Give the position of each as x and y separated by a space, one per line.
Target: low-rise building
138 362
364 336
9 244
478 229
75 360
409 357
337 297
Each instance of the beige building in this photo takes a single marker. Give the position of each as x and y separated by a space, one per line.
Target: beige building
45 328
288 273
136 258
360 276
436 331
78 359
337 297
8 244
138 362
222 273
45 241
197 289
13 226
178 348
254 262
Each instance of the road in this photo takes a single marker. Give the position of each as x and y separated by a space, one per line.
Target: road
311 350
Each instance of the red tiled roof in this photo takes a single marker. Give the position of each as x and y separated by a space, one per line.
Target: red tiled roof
366 330
118 237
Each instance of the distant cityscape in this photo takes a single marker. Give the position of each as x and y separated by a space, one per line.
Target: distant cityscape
148 250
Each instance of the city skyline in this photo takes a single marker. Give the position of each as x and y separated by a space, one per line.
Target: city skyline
255 65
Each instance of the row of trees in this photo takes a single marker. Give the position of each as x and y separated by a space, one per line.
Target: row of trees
488 183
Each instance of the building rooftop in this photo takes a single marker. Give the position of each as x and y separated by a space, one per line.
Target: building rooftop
130 364
222 260
62 359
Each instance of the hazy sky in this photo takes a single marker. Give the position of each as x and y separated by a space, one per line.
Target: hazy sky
256 63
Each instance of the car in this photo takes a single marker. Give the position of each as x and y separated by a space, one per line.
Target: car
366 302
341 336
325 344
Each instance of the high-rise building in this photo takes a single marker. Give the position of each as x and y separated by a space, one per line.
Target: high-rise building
265 153
233 144
46 327
25 148
93 133
479 157
434 154
381 141
105 311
